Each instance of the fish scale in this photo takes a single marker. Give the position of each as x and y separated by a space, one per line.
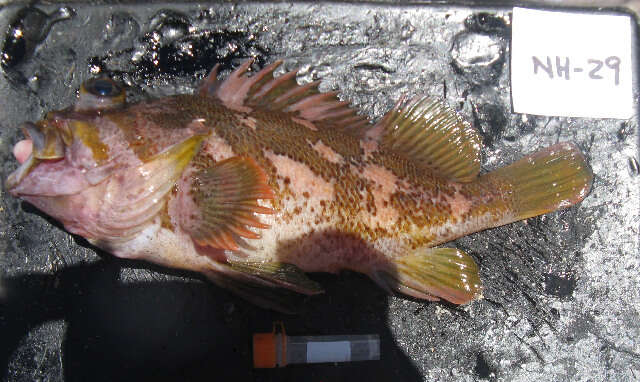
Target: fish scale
254 180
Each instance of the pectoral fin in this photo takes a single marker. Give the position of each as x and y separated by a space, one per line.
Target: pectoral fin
433 274
225 198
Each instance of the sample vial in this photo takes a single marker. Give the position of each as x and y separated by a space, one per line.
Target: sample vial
277 349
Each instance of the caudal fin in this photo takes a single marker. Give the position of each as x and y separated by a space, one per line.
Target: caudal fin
550 179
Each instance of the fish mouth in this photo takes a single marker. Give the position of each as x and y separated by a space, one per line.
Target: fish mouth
42 143
23 152
43 173
39 178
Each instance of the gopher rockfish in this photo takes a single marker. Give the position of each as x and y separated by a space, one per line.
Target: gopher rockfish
255 180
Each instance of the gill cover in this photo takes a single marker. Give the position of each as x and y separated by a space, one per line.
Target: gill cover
135 196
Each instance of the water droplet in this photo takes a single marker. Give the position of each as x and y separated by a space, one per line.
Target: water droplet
34 82
29 27
199 51
479 57
95 68
121 30
168 26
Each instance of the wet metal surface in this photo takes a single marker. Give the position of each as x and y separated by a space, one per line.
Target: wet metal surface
561 295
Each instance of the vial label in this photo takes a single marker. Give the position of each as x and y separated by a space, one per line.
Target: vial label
338 351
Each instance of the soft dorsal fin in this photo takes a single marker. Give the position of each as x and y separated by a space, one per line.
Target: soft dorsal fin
225 198
433 136
263 91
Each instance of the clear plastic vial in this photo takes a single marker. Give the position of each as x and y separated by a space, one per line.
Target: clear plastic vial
277 349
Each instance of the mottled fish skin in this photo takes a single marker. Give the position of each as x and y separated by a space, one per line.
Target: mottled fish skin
326 198
342 203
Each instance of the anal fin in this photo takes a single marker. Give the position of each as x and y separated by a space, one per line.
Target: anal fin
433 274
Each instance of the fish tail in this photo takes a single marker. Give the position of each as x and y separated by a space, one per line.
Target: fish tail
553 178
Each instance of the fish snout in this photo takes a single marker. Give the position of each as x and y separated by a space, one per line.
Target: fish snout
42 142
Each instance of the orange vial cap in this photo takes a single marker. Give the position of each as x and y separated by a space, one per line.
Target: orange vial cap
264 350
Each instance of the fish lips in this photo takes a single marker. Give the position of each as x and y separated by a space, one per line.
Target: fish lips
46 178
45 170
16 177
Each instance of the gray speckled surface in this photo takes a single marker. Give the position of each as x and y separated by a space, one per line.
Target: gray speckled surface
561 298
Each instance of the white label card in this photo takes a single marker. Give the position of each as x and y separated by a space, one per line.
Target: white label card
336 351
571 64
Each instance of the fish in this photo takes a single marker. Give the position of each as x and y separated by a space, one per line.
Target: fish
255 180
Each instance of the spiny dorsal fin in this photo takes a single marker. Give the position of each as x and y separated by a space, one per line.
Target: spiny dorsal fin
433 136
264 91
225 198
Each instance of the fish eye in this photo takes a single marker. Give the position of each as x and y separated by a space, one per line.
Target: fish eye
100 93
103 87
